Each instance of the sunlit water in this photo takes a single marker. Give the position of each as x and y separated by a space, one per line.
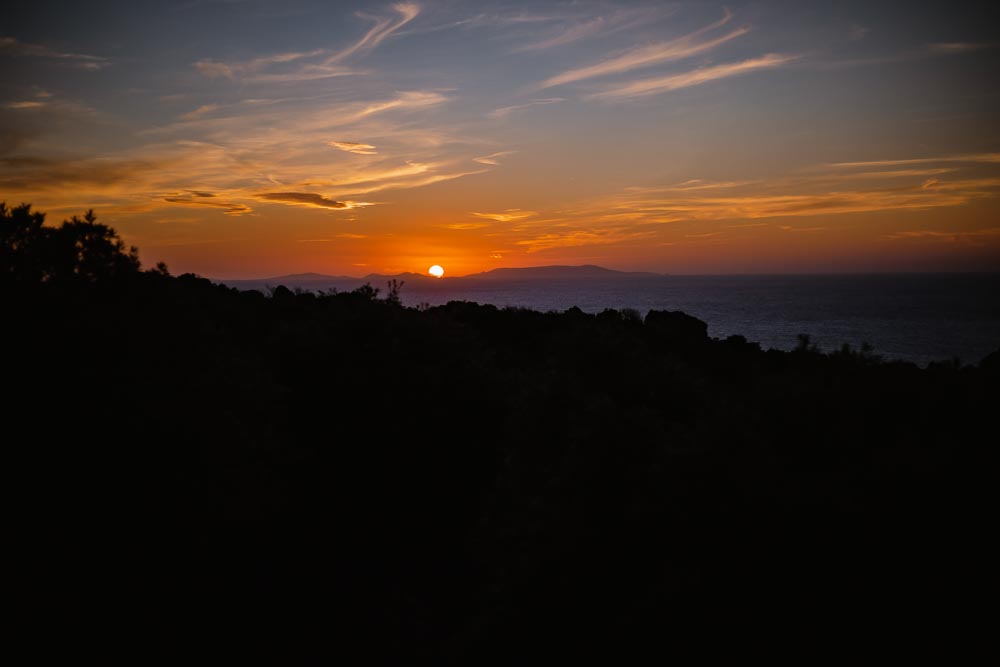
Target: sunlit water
918 318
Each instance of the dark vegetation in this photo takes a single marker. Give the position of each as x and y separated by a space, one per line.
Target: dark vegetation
307 473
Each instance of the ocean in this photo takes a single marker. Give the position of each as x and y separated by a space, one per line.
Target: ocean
915 317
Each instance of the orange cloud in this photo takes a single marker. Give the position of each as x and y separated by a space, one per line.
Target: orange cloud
510 215
309 199
228 208
353 147
582 237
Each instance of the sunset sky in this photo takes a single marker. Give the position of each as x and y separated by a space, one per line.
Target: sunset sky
250 138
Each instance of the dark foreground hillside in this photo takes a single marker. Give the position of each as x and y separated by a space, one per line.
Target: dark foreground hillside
301 476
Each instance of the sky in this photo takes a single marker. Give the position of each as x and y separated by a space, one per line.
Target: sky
252 138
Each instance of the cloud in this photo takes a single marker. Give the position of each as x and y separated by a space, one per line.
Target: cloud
987 158
353 147
577 27
34 174
214 69
310 200
858 32
345 235
510 215
789 228
291 67
900 173
250 71
13 138
383 28
467 225
27 104
696 77
286 118
503 112
228 208
77 60
941 49
566 35
944 235
947 48
398 179
582 237
661 52
405 100
201 111
697 184
802 194
492 158
421 182
356 177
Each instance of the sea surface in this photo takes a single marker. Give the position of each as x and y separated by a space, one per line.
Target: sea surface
918 318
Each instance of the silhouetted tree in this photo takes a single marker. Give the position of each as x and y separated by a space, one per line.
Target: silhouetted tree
21 241
392 296
80 250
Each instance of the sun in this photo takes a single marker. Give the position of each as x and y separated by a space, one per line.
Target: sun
436 271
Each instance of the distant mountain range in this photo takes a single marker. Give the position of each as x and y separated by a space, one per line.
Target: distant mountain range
318 281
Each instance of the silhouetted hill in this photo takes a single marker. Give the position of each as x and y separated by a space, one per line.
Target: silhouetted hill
584 272
540 274
305 281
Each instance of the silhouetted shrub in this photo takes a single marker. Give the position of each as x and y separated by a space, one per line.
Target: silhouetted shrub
675 328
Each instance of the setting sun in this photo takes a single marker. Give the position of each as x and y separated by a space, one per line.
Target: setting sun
436 271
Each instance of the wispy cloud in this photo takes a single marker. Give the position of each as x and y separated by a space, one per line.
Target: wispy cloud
566 35
945 235
577 25
311 200
35 174
510 215
492 158
503 112
940 49
353 147
947 48
988 158
313 65
858 32
582 237
214 69
696 184
405 100
379 174
661 52
467 225
203 110
800 195
26 104
383 28
658 85
11 46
